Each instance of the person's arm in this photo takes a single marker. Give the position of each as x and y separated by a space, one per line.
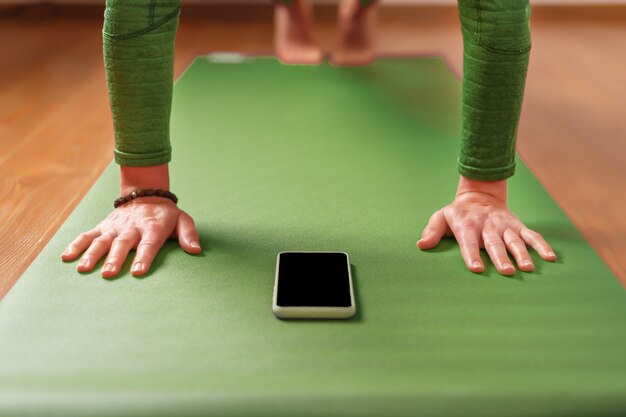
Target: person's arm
497 42
138 44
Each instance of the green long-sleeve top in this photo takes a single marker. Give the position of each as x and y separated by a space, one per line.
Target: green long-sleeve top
138 41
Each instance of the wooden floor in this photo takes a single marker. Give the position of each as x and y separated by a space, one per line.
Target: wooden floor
56 134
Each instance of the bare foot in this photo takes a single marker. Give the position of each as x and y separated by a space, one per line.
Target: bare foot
293 34
356 30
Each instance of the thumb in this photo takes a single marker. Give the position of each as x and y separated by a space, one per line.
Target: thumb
187 234
436 228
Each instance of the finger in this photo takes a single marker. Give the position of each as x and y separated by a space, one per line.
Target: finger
98 248
79 244
517 247
147 249
497 252
120 248
188 234
470 249
537 242
436 228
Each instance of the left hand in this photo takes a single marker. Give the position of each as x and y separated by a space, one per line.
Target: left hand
479 218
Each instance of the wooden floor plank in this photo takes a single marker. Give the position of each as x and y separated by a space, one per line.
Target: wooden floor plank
34 98
572 130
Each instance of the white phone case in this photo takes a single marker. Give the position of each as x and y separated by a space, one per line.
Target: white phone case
305 312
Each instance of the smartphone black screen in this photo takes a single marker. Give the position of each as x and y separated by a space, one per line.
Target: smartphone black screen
313 280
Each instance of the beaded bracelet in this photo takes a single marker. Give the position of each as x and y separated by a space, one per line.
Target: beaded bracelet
144 193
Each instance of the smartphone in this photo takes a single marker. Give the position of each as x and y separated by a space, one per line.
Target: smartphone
313 285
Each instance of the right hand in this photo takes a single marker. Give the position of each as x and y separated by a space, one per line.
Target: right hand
143 224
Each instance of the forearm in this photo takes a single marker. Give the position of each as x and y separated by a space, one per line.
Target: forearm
138 45
496 35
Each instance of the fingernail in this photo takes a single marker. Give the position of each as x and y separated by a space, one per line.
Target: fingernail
527 263
137 266
476 264
506 265
108 268
195 245
66 252
550 253
83 264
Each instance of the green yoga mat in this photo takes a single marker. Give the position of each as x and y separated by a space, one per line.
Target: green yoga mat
271 158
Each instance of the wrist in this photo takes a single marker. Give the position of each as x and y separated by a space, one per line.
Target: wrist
497 189
149 177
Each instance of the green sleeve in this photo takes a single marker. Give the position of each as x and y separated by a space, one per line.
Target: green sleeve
496 37
138 45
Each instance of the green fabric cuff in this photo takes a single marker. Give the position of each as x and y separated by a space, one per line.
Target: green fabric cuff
142 159
486 174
